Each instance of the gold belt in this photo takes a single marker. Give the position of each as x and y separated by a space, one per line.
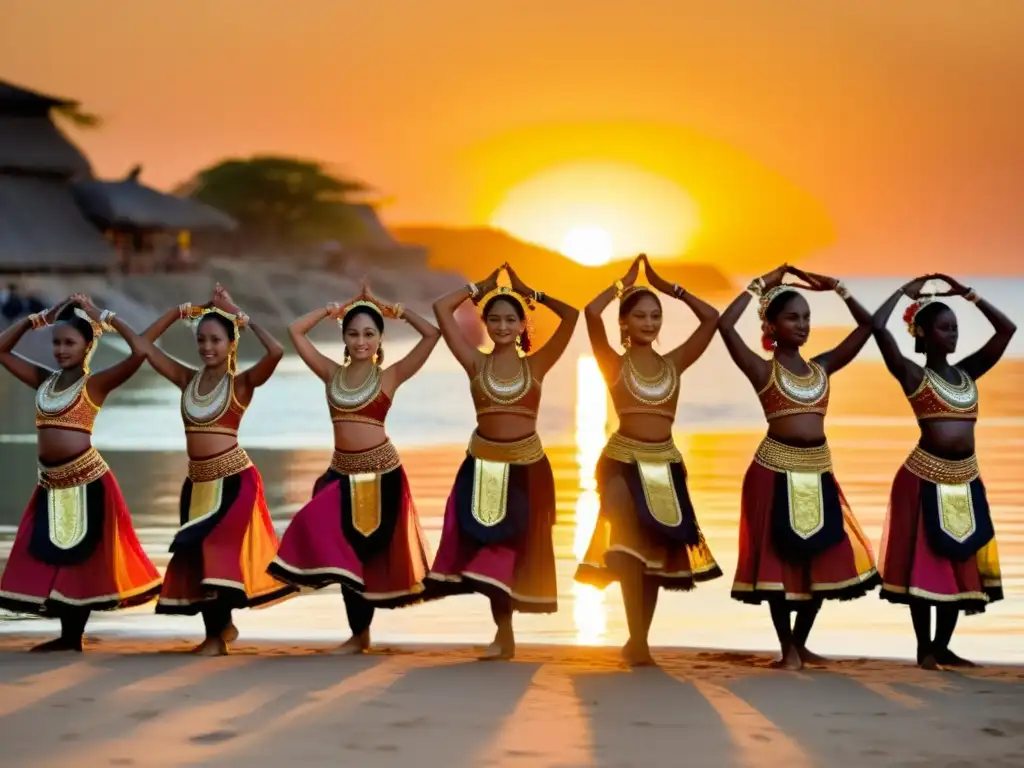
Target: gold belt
383 458
82 470
207 470
526 451
628 451
780 457
942 471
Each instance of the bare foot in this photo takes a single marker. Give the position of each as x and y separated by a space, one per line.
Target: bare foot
502 649
59 644
947 658
211 646
790 660
809 657
230 634
354 645
636 655
928 662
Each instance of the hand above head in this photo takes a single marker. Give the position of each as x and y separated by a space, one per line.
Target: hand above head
489 283
633 273
956 288
913 288
334 310
517 284
656 280
813 281
222 300
774 278
86 305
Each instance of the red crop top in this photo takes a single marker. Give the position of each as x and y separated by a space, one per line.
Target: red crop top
493 395
936 398
218 412
787 394
366 404
69 408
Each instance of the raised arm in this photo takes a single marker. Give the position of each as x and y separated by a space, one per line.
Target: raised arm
979 363
314 359
608 360
23 369
843 353
444 311
687 353
258 375
166 366
407 367
544 359
904 370
753 366
102 383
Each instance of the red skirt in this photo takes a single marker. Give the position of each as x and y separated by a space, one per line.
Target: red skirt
76 547
844 571
367 539
674 555
518 561
225 542
912 569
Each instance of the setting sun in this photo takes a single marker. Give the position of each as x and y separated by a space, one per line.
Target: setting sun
591 246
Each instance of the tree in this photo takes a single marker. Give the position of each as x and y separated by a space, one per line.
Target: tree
279 201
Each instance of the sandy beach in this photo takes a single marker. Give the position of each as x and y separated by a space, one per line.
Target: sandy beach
131 703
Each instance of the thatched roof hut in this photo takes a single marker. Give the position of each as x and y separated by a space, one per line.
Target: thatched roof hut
41 226
129 206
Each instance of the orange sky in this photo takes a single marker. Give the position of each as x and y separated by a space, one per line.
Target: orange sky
870 132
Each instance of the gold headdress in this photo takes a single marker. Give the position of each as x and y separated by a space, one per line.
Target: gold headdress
767 342
98 330
625 294
355 303
525 302
195 315
910 315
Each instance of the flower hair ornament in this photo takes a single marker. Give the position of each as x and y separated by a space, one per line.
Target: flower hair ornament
910 316
523 301
98 329
767 342
194 316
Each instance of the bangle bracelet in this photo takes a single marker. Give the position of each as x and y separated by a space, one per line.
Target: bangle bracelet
842 290
618 289
473 290
107 317
756 286
398 310
678 291
37 320
242 319
538 296
972 296
185 310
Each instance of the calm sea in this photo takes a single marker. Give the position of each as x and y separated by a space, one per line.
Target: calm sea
288 435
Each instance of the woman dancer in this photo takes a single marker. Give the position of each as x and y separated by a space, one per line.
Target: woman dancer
799 542
361 529
496 538
226 539
647 534
75 550
938 545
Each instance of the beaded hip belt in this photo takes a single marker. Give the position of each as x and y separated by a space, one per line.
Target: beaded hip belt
942 471
383 458
780 457
82 470
226 464
626 450
529 450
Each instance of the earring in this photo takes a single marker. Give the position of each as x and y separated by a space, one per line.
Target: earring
347 356
519 343
624 336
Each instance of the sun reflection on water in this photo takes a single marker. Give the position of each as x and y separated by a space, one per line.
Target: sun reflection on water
589 612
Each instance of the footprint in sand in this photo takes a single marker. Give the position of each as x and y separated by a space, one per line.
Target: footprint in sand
213 737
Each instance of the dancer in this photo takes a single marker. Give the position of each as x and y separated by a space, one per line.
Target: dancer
226 539
647 536
361 529
938 545
75 551
799 542
496 538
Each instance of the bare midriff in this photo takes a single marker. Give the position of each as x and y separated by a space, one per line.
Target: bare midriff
948 438
801 430
505 427
646 427
56 446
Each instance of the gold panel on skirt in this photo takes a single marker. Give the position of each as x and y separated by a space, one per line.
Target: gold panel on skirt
660 492
492 461
66 497
803 468
364 494
952 479
206 499
806 503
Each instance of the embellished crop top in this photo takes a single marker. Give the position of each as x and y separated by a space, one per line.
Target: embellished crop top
366 403
787 394
218 412
69 408
634 393
936 398
492 395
